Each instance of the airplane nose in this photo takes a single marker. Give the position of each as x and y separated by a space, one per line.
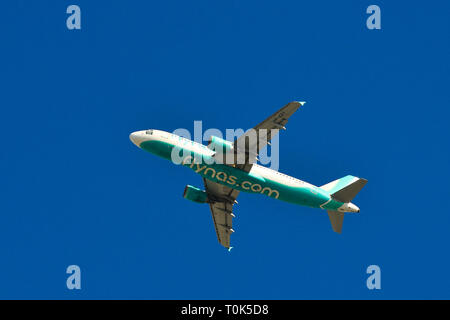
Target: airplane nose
137 137
133 138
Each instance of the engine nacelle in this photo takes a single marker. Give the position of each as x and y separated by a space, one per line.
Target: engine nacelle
195 194
219 145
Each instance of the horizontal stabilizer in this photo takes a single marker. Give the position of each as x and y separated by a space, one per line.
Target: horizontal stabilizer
336 219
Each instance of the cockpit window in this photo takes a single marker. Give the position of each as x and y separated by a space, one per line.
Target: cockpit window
149 132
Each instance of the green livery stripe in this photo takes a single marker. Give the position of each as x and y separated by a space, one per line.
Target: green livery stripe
247 182
159 148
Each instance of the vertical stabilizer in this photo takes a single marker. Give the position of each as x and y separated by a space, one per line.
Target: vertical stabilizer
343 190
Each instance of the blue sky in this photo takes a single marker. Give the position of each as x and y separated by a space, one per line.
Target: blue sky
75 190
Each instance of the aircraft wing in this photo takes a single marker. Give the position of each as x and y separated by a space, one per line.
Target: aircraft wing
222 200
249 150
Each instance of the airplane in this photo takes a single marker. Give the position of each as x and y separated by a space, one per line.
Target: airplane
223 181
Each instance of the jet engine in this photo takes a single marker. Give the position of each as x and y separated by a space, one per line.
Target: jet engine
195 194
219 145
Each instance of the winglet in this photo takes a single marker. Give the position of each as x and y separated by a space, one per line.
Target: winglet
229 249
301 103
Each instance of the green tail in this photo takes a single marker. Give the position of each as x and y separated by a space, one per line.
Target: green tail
342 190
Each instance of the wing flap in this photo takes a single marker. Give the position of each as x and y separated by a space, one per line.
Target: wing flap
248 145
222 199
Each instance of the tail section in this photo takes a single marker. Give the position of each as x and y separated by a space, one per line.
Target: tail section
343 190
336 219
